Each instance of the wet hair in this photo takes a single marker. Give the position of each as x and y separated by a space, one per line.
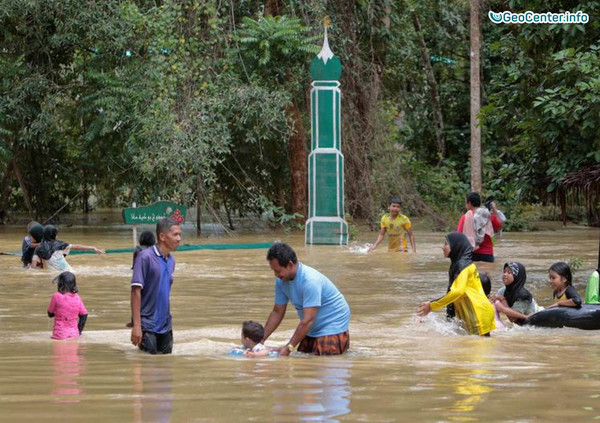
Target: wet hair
395 200
163 226
65 282
283 253
486 284
474 198
253 331
36 231
147 239
563 270
50 232
31 225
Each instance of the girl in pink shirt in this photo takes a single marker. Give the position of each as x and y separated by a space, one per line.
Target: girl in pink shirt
67 308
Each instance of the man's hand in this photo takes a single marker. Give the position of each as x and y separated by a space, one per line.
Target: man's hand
284 351
136 335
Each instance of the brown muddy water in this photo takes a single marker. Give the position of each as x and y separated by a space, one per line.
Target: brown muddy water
399 367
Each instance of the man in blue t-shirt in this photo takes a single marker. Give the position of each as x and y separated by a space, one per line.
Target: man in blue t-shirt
323 311
150 291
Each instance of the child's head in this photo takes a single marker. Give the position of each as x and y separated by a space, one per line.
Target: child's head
36 231
50 232
65 282
147 239
473 199
511 269
560 275
252 333
486 283
395 206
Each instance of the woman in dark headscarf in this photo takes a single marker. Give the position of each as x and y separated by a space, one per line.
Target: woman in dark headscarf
465 292
514 299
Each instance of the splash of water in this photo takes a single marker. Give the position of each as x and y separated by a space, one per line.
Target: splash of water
356 248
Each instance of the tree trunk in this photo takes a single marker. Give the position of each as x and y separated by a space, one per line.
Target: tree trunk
228 213
198 205
273 7
5 186
475 97
438 117
23 188
297 149
298 161
84 201
562 198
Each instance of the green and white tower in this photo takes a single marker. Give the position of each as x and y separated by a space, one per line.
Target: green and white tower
326 224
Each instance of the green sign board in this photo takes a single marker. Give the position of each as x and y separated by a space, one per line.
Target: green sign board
154 212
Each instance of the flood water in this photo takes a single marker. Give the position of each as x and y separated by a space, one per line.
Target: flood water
399 367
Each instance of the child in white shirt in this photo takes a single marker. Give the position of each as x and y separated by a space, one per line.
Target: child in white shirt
252 335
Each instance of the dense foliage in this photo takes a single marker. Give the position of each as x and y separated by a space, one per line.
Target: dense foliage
204 101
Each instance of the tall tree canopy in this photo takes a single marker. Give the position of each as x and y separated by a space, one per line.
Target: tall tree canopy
206 102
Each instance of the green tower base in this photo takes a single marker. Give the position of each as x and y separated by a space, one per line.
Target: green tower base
326 231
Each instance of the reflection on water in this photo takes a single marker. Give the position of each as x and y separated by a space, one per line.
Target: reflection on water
469 380
153 385
69 361
320 396
469 385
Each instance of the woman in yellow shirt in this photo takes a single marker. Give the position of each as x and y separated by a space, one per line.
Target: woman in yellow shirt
465 292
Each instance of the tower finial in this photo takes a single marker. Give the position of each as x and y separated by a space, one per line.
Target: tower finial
325 54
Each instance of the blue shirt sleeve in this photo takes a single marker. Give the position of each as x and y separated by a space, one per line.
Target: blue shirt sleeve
138 272
280 297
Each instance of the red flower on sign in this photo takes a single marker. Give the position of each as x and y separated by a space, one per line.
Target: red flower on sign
177 216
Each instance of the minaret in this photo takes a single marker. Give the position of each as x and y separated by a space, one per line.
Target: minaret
326 224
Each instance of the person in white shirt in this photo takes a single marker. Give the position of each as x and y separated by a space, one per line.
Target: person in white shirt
252 334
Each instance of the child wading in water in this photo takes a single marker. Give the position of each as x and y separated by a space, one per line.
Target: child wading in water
486 284
146 240
561 280
252 335
466 293
397 226
67 308
514 300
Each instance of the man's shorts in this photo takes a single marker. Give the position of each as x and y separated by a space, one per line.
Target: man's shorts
326 345
157 343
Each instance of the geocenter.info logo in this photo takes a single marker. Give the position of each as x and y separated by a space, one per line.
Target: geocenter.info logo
539 18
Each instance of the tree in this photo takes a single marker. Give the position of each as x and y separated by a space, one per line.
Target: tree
475 96
273 48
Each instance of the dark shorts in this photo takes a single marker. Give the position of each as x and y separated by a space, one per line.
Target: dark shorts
157 343
326 345
483 257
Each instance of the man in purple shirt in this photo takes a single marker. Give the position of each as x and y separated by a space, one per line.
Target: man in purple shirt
150 291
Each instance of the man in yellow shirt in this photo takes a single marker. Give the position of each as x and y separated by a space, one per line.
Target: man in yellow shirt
397 226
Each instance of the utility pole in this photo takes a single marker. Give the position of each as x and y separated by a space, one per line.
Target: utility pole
475 96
